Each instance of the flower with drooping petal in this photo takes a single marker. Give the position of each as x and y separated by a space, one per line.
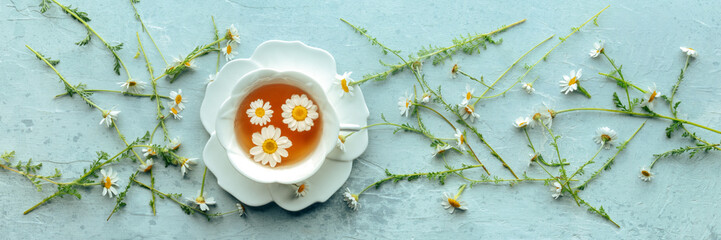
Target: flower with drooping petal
468 95
645 174
174 144
185 164
351 199
597 49
178 99
521 122
404 105
301 189
343 81
570 82
109 179
450 203
341 142
202 202
528 87
232 34
132 86
460 139
270 146
299 113
229 51
605 136
689 51
542 114
441 148
146 166
556 189
259 112
109 117
468 111
175 110
426 97
650 97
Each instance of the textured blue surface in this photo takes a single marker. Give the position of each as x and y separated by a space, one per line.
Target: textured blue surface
681 202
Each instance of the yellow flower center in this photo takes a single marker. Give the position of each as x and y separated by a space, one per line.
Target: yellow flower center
187 64
653 96
355 196
270 146
341 138
536 116
299 113
176 148
148 167
572 81
605 137
522 124
178 99
454 69
228 49
691 49
174 111
301 188
260 112
454 203
462 138
107 183
200 200
229 35
645 173
469 109
132 83
468 95
344 85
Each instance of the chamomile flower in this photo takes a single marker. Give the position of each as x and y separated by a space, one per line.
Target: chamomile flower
605 136
259 112
109 117
534 157
426 97
468 95
454 71
241 209
174 144
211 78
132 86
178 99
229 51
522 122
404 105
351 199
341 142
450 203
175 110
460 139
232 34
542 114
570 82
441 148
417 66
645 174
528 87
343 81
597 49
146 166
299 113
468 111
300 189
650 97
109 179
185 164
202 201
689 51
269 146
190 64
149 152
557 189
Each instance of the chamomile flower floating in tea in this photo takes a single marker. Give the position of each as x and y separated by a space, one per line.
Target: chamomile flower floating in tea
351 199
270 146
450 203
468 111
597 49
343 81
109 179
521 122
689 51
185 164
570 82
404 105
468 95
259 112
232 34
300 189
299 113
605 136
132 86
178 98
556 188
202 201
229 51
650 97
109 117
146 166
645 174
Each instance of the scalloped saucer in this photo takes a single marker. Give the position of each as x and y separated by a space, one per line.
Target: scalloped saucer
285 56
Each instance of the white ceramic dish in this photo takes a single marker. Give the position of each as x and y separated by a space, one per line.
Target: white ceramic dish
285 56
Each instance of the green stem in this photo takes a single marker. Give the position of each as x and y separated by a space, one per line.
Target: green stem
639 114
476 79
659 156
172 198
422 174
202 185
120 135
610 160
145 29
217 63
588 162
460 190
620 74
117 91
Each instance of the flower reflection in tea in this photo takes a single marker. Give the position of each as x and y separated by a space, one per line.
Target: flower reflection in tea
282 139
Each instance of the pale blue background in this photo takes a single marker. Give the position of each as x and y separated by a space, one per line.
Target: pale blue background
681 202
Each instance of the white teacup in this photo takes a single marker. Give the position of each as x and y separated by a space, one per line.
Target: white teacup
243 162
